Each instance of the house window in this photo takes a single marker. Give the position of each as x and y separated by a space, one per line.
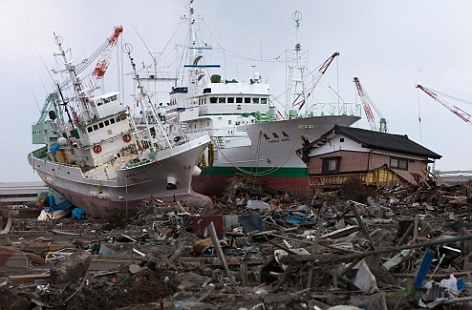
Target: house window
399 163
330 164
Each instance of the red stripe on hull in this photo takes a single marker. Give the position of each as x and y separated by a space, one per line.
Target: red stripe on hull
215 185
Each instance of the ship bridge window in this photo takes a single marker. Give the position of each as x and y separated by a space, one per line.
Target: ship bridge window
222 100
89 129
114 97
275 135
107 123
112 120
231 100
213 99
263 100
255 100
101 125
239 99
95 127
106 100
247 100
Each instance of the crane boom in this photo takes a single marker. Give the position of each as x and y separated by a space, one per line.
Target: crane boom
454 109
103 63
321 72
367 105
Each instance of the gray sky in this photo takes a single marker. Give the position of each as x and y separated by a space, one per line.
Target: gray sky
390 45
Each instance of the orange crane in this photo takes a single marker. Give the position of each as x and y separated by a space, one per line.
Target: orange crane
104 51
454 109
300 100
102 65
367 104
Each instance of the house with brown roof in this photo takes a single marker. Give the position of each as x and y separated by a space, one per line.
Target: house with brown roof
375 158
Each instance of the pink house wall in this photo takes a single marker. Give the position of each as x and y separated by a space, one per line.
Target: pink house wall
362 161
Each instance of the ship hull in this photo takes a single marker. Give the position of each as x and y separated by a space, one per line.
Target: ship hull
126 192
271 157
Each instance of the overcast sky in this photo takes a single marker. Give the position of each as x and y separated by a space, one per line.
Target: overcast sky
390 45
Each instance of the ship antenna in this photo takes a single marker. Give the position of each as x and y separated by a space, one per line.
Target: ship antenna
297 17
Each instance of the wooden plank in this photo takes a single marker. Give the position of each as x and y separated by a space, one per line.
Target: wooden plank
12 262
25 278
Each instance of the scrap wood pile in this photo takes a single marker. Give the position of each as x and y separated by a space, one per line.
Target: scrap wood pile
401 248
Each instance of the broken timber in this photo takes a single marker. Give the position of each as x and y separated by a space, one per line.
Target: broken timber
333 259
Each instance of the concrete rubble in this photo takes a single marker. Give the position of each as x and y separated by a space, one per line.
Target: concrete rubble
353 248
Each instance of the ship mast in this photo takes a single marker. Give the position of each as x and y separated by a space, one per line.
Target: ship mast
195 55
77 84
296 68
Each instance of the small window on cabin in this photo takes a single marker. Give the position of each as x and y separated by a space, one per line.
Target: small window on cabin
238 107
263 100
330 165
222 100
213 99
204 100
247 100
239 99
95 127
231 100
275 135
229 122
107 122
399 163
113 98
208 123
106 100
89 129
99 103
101 125
112 120
341 139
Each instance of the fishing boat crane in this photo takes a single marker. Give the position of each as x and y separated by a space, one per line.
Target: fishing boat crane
368 104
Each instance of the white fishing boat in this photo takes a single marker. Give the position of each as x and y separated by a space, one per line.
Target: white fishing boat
250 135
98 159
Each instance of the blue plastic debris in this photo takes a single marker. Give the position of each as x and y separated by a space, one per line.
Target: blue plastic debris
423 270
78 213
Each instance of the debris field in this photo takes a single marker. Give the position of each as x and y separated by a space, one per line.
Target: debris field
351 248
